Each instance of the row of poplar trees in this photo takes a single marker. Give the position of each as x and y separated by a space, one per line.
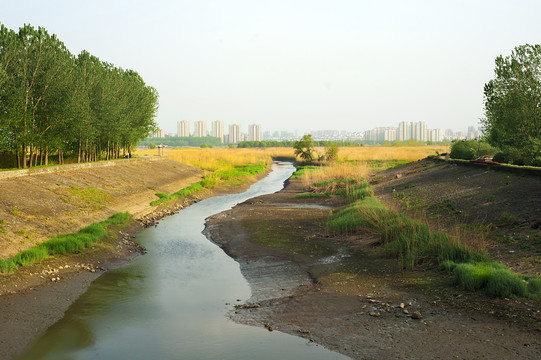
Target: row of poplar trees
55 103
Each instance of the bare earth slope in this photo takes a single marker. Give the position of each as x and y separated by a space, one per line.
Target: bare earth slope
340 292
39 207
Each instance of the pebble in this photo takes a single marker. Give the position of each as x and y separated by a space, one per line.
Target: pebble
416 315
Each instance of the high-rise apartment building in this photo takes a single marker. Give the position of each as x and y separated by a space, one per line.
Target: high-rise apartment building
217 129
254 132
419 131
200 129
183 128
234 133
405 131
159 134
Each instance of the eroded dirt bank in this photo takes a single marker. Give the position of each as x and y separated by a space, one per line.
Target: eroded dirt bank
340 292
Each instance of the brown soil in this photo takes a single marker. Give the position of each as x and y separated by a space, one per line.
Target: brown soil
343 293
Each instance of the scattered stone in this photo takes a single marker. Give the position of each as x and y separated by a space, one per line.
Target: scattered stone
402 305
416 315
375 313
247 306
406 311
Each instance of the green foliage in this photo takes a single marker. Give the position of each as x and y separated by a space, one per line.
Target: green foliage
54 102
470 149
409 240
30 256
182 192
331 151
302 169
184 141
501 157
359 191
151 145
512 118
495 279
63 244
304 148
7 265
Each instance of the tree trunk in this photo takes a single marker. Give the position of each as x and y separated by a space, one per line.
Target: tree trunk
79 151
23 156
18 159
46 155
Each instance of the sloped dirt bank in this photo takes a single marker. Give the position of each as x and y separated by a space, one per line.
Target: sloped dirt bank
342 293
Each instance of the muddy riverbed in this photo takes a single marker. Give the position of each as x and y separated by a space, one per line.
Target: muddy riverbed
340 292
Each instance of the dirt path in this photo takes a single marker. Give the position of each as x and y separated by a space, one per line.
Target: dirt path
340 292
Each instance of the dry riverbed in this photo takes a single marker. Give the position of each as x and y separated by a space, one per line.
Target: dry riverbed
342 293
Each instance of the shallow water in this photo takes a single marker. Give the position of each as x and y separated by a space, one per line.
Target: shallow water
172 303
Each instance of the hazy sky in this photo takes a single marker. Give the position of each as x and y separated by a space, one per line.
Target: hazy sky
298 64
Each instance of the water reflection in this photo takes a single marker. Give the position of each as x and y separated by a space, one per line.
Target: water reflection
171 303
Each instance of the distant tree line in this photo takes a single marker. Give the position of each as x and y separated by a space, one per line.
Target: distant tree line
287 143
56 103
180 141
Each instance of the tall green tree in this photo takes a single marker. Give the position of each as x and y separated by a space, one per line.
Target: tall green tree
52 101
513 103
304 148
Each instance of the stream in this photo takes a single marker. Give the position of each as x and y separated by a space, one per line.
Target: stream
173 302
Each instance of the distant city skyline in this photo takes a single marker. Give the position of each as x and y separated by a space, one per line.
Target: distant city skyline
404 131
298 65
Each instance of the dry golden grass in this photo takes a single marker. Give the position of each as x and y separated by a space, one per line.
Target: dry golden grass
384 153
219 158
336 171
352 160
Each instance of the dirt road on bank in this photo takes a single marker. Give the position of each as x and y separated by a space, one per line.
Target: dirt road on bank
342 293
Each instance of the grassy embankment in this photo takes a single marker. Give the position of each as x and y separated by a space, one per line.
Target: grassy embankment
65 244
411 241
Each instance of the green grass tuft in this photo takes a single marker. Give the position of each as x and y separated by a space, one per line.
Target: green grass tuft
303 169
63 244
